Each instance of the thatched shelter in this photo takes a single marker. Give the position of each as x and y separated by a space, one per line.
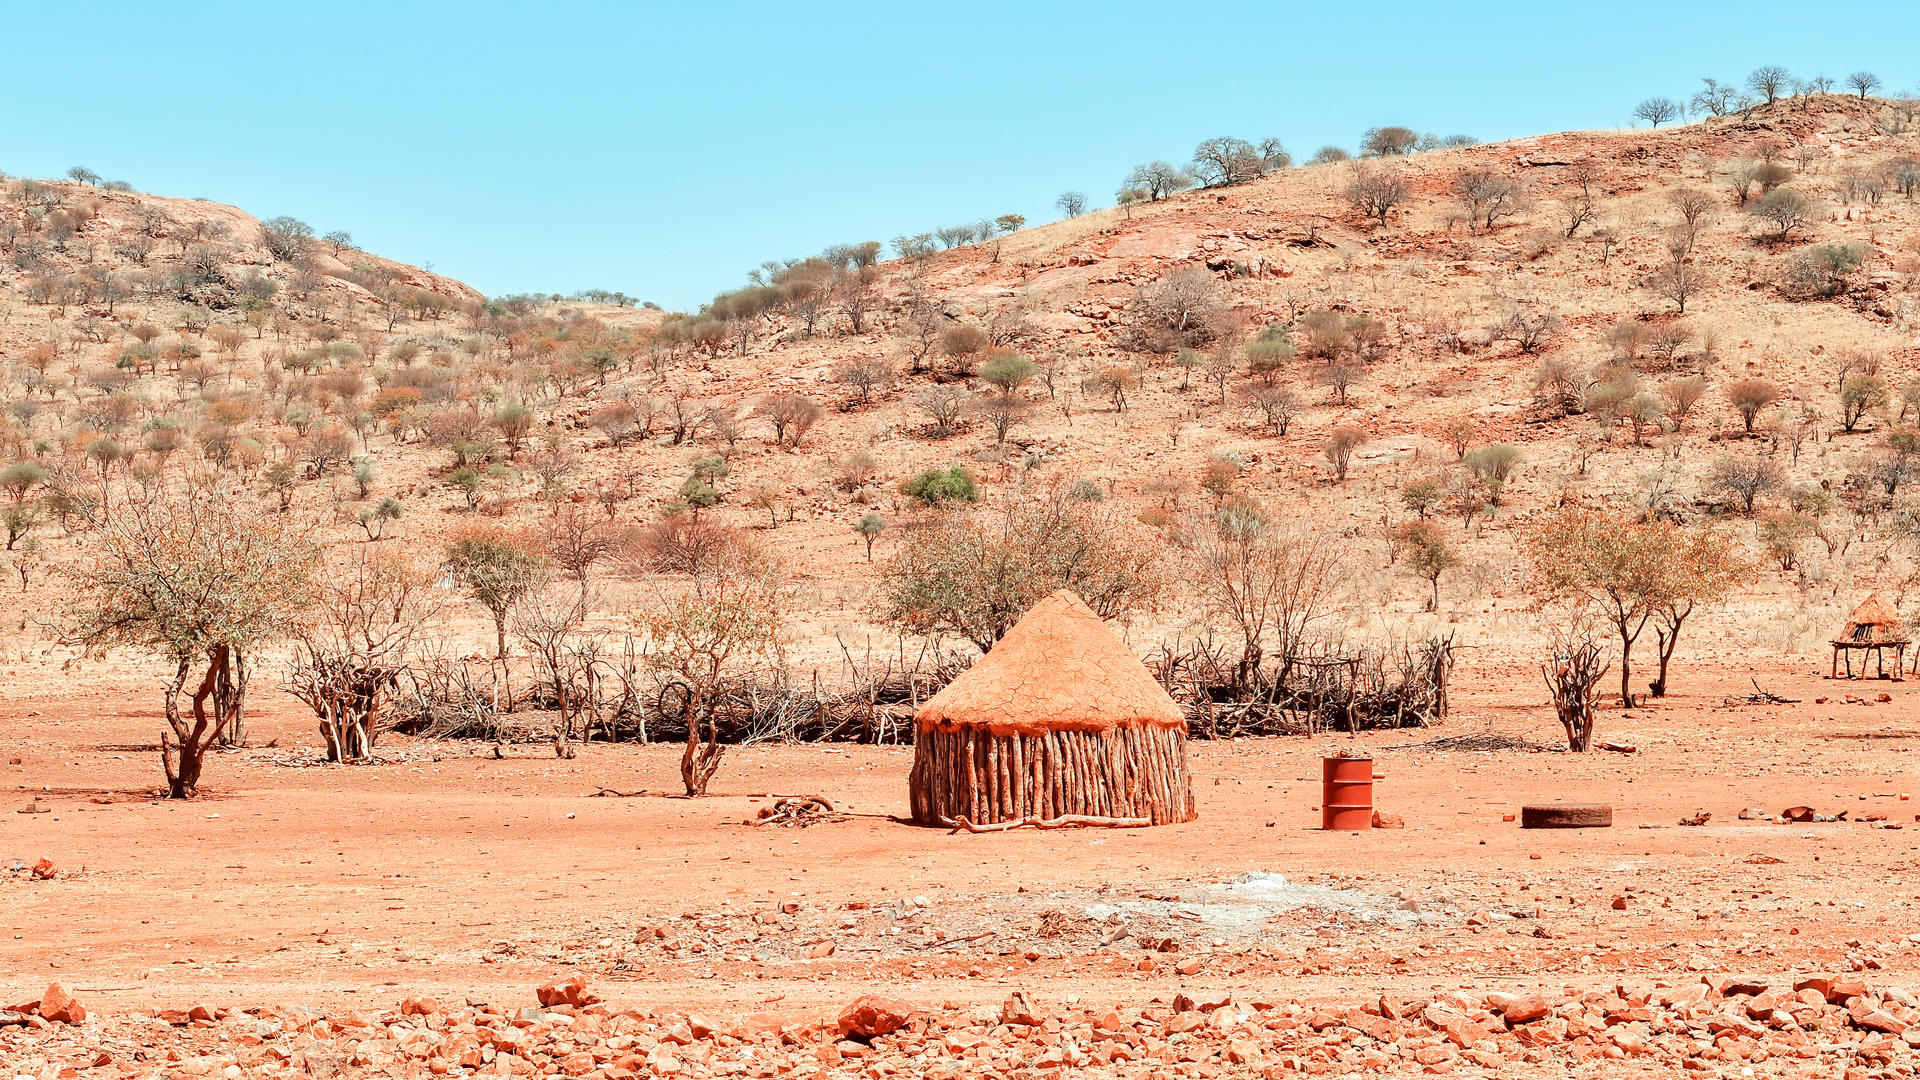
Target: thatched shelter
1060 721
1873 629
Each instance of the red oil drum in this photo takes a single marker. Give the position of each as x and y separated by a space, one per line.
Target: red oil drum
1346 795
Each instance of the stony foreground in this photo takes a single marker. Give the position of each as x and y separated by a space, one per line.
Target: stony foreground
1813 1026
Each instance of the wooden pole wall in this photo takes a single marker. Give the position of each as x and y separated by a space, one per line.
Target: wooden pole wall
1127 772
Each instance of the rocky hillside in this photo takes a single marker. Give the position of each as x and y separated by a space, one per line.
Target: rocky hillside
1628 311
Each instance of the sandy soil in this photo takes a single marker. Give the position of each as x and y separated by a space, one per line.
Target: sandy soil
447 870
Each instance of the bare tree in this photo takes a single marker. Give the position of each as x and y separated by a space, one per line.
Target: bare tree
1657 110
1223 161
1487 196
1863 82
1391 141
1375 190
1158 179
1679 280
864 375
1769 82
352 651
792 416
1071 203
552 627
1576 667
701 633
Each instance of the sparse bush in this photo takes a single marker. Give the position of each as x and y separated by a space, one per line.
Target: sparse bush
1822 270
1749 396
1375 190
1279 405
1784 209
1177 310
944 405
1859 395
1493 465
1487 196
1341 443
1744 478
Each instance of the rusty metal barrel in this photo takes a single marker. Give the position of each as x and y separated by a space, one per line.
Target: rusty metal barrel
1346 793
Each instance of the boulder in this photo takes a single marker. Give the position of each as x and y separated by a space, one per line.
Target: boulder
572 992
872 1014
58 1004
1525 1009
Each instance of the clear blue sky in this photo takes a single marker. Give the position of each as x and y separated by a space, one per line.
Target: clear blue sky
665 150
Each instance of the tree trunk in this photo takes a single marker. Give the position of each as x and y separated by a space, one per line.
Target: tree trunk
702 757
1666 633
183 748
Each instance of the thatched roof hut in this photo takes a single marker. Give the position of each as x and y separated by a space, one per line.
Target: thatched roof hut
1875 621
1059 720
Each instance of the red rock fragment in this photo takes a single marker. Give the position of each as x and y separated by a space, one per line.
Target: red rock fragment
872 1014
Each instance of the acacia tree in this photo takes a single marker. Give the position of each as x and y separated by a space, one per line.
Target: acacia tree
1633 573
701 633
497 567
204 578
352 648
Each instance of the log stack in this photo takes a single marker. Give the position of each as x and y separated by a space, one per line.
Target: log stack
1058 721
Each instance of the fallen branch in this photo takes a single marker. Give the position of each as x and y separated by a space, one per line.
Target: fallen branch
609 793
801 810
1065 821
955 941
1760 697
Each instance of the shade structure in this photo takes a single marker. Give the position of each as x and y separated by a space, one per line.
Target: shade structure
1059 720
1876 619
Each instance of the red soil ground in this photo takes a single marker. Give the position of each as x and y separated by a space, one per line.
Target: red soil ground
447 870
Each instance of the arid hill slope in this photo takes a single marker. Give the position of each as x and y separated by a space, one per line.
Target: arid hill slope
1542 332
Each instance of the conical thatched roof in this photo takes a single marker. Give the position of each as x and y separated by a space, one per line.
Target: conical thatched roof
1876 619
1059 668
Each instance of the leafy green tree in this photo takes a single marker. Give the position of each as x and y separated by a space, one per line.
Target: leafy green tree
496 567
1009 372
870 526
1423 547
